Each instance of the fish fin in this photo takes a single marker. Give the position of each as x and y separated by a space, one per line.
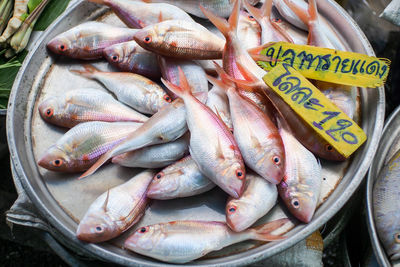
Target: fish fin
282 31
103 159
263 232
298 11
219 151
106 200
160 17
88 71
257 50
183 89
216 82
313 17
220 23
234 17
220 117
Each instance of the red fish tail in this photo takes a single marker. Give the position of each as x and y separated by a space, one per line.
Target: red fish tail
184 88
303 15
220 23
263 232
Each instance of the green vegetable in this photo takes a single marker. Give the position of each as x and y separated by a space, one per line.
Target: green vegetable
32 4
50 13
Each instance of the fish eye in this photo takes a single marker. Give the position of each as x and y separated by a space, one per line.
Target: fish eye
62 47
328 147
57 162
397 237
99 229
239 174
277 20
167 98
49 112
147 39
276 160
159 175
251 17
232 210
114 58
295 203
143 229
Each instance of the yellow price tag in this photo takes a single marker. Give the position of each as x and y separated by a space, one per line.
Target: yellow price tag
328 65
322 115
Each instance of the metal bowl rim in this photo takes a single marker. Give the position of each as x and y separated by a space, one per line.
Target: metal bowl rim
243 258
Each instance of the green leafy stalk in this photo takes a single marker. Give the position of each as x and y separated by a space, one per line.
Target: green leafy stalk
20 39
5 14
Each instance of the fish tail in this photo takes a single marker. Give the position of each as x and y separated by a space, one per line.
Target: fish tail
312 10
184 88
302 14
88 71
222 25
263 232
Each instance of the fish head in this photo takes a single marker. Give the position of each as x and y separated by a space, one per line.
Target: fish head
144 239
235 173
114 54
327 151
61 45
389 235
276 166
51 110
301 202
55 159
248 20
151 37
237 216
97 227
161 185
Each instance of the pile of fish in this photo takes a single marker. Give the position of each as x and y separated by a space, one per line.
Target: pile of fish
238 136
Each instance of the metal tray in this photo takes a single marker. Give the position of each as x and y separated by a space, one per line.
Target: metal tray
63 200
388 146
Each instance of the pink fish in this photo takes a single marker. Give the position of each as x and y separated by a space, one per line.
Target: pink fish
212 145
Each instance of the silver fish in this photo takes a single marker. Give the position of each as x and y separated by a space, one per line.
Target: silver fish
340 95
156 156
131 57
85 105
82 145
88 40
134 90
181 179
116 210
137 14
184 241
386 206
258 198
167 125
